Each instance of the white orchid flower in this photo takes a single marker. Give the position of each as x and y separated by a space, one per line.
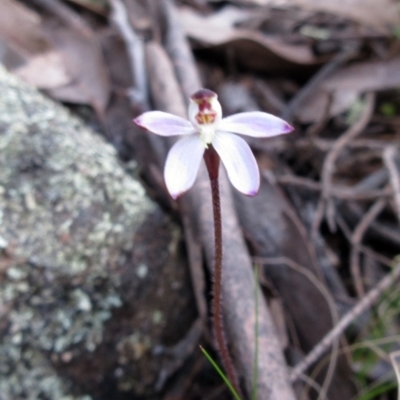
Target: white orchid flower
205 128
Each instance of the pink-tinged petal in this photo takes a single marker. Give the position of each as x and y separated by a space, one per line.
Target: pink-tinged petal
256 124
182 164
239 162
164 124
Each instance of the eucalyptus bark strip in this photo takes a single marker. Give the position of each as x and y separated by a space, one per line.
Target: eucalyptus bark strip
238 286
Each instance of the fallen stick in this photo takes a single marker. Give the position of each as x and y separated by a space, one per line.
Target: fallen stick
389 156
365 303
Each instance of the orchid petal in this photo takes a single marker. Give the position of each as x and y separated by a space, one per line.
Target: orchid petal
239 162
164 124
256 124
182 165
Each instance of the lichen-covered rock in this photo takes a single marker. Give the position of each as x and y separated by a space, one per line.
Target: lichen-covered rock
90 276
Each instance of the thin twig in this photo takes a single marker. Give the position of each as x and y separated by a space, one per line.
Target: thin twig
180 52
311 383
363 249
338 192
389 156
395 358
135 48
326 145
344 140
356 239
328 169
364 304
378 228
325 293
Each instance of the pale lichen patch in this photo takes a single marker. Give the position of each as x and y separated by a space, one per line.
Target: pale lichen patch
67 209
75 229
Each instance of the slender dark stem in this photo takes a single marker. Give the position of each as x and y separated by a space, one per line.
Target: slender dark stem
212 162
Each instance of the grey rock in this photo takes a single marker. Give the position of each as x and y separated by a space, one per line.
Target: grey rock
78 316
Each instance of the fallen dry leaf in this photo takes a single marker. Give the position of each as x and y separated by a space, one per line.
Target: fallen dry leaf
380 14
85 64
375 75
51 62
21 28
347 84
252 49
68 64
27 51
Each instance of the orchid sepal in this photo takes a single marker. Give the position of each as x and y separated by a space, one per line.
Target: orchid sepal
239 162
164 124
182 165
255 124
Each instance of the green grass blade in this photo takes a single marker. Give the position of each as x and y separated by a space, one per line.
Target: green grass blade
221 373
375 392
255 366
